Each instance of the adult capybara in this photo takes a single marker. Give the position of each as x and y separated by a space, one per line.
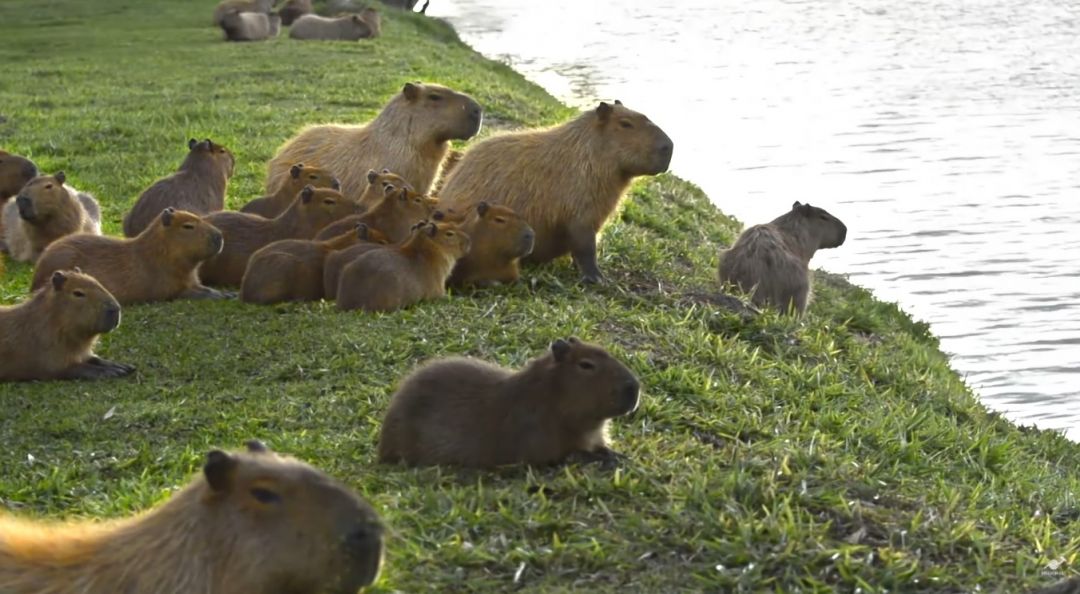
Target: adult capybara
300 175
394 216
371 16
380 185
564 181
45 210
410 137
348 27
250 26
293 9
771 261
158 265
15 171
253 522
229 6
500 239
52 334
198 186
467 412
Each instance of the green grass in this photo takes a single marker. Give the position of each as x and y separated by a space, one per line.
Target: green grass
835 453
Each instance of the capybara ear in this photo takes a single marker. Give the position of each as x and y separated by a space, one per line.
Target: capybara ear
603 111
296 170
432 229
617 102
219 469
58 280
438 215
796 205
307 193
60 176
77 269
482 207
167 216
191 144
255 446
404 195
573 340
560 349
417 225
362 231
411 91
372 175
385 171
387 189
356 18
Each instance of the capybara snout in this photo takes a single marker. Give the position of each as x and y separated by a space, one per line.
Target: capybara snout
111 317
365 546
629 396
664 148
25 206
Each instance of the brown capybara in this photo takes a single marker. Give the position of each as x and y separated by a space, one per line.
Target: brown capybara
500 239
410 137
293 9
198 186
250 26
52 334
253 522
158 265
45 210
399 276
371 16
467 412
312 209
335 262
395 216
230 6
564 181
771 261
300 175
379 186
15 171
347 27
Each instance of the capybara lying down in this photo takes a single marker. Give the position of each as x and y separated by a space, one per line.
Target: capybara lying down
349 27
250 26
45 210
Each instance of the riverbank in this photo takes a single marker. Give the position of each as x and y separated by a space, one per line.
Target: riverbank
828 454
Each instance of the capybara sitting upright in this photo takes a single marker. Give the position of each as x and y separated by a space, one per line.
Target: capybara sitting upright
292 10
45 210
771 261
499 238
252 522
467 412
15 171
564 181
52 334
250 26
280 200
198 186
158 265
409 137
348 27
394 216
229 6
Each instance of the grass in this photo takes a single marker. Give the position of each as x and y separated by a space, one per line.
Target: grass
835 453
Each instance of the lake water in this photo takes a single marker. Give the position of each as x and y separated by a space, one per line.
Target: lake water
946 134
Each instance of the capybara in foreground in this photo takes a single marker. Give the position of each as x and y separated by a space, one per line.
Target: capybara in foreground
564 181
380 185
158 265
499 238
410 137
252 522
771 261
45 210
15 171
250 26
293 9
467 412
52 334
198 186
349 27
394 216
300 175
229 6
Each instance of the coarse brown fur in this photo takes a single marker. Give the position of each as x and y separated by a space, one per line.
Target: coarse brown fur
499 238
449 163
394 216
250 26
467 412
252 522
771 261
15 171
300 175
227 6
380 185
45 210
294 9
335 262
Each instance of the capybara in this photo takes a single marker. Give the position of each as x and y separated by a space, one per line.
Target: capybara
300 175
395 216
312 209
250 26
564 181
378 185
158 265
45 210
399 276
452 159
52 334
253 522
371 16
336 261
467 412
293 9
198 186
15 171
771 261
349 27
228 6
410 137
500 239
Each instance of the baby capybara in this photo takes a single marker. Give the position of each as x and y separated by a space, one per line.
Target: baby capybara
394 216
300 175
500 239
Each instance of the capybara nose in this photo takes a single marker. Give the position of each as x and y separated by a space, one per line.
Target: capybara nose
112 317
528 241
335 184
629 393
25 206
217 242
365 544
30 171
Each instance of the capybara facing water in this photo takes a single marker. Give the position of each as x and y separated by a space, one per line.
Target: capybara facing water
467 412
564 181
45 210
771 261
348 27
253 522
499 238
250 26
300 175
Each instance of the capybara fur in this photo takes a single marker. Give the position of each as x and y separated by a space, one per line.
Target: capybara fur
378 185
348 27
294 9
467 412
52 334
335 262
157 265
229 6
410 137
15 171
564 181
312 209
252 522
198 186
300 175
373 19
394 216
399 276
499 239
449 163
250 26
45 210
770 262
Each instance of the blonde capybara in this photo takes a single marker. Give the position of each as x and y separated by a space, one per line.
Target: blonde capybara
250 26
51 335
158 265
564 181
770 262
500 239
348 27
380 185
230 6
394 216
15 171
466 412
45 210
300 175
410 137
252 522
198 186
293 9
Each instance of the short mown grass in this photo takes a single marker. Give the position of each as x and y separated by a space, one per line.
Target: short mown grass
834 453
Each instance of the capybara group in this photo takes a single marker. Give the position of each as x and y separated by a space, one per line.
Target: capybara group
300 175
394 216
250 26
348 27
45 210
380 184
500 239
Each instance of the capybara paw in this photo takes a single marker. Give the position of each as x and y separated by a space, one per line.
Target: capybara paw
605 457
592 278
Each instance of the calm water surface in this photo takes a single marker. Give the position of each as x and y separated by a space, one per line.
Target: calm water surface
946 134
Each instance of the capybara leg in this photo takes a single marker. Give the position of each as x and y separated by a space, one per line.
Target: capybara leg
583 251
95 368
604 456
201 292
120 369
4 247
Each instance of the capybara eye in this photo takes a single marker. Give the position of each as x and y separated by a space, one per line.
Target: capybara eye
435 97
78 294
48 186
586 365
626 124
500 220
189 226
313 176
449 233
265 496
329 202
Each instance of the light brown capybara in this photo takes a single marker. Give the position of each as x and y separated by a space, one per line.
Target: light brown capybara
410 137
371 16
52 335
198 186
312 209
253 522
378 185
467 412
399 276
347 27
300 175
335 262
564 181
395 216
229 6
158 265
15 171
293 9
771 261
45 210
250 26
500 239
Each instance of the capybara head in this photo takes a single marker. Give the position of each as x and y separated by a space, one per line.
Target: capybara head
639 146
499 231
301 175
448 236
825 230
322 206
385 179
80 305
185 236
206 149
450 115
15 172
370 235
42 198
593 384
308 532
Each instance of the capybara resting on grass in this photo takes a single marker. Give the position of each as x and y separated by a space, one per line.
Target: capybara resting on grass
336 261
15 171
45 210
228 6
300 175
250 26
468 412
394 216
499 238
564 181
294 9
380 185
349 27
410 137
52 334
252 522
771 261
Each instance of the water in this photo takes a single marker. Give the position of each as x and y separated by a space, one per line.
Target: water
946 134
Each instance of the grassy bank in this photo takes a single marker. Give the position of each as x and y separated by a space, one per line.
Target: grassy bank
835 453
